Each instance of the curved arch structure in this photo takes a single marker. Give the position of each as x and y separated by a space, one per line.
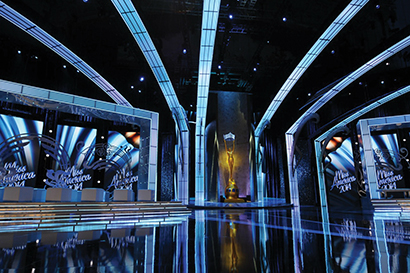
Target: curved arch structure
318 141
35 31
337 25
137 28
344 17
293 186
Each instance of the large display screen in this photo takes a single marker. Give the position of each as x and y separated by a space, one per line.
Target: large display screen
387 161
19 150
341 181
123 153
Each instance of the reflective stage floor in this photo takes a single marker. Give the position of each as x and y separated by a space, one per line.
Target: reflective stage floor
283 239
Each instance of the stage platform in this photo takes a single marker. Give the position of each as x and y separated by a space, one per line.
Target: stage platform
266 203
80 216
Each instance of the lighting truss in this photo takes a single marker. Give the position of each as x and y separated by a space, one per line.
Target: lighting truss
137 28
344 17
349 79
210 15
35 31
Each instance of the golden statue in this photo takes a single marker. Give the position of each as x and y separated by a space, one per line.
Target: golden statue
231 190
229 154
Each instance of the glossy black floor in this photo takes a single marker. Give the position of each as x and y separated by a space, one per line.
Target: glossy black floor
219 240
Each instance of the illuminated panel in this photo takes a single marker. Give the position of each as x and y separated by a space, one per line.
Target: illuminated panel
134 23
344 17
210 15
29 27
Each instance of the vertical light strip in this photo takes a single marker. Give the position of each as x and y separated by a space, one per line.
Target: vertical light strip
29 27
210 15
294 193
344 17
137 28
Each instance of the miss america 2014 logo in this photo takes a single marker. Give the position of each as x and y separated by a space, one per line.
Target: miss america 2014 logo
343 181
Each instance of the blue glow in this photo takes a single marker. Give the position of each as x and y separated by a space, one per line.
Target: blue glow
284 19
230 16
184 51
142 79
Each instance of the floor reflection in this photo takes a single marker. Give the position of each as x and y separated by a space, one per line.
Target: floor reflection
235 240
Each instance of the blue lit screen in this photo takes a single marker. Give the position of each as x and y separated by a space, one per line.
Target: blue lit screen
19 147
123 152
389 169
78 142
341 181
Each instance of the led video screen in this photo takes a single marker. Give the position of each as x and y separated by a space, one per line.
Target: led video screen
341 181
386 153
124 157
19 150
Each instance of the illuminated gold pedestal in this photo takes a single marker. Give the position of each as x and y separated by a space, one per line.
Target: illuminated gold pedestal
232 193
238 200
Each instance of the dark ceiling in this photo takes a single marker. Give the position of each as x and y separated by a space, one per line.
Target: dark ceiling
257 50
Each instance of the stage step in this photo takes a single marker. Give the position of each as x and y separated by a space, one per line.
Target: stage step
88 215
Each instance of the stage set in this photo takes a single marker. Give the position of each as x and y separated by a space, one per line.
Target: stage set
58 147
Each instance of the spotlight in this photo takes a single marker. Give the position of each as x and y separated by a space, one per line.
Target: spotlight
219 66
18 51
230 16
184 51
333 52
284 19
64 66
142 79
377 6
254 69
132 86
